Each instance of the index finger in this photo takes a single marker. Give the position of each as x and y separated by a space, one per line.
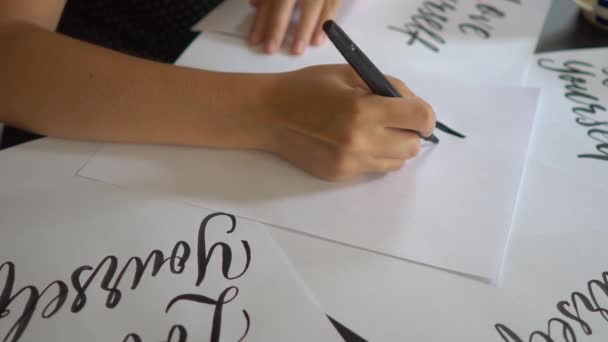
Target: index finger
401 87
412 113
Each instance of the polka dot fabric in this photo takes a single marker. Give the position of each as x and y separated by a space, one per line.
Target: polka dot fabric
152 29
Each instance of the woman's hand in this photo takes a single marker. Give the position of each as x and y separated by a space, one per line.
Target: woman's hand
325 120
273 16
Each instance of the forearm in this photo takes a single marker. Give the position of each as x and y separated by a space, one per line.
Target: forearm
57 86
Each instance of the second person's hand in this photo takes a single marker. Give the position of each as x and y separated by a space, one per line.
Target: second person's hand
272 21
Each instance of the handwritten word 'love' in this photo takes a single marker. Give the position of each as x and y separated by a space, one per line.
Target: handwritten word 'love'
56 293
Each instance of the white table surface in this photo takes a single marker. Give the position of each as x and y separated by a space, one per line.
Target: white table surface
385 299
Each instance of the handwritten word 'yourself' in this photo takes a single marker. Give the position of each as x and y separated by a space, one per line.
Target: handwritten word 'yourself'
587 108
570 310
56 293
426 26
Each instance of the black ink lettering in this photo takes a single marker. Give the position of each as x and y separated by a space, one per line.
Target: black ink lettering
573 73
430 20
579 97
591 109
586 122
158 260
6 298
569 67
489 11
479 23
600 136
567 331
442 6
107 269
15 332
575 82
7 288
178 260
507 334
204 257
81 297
132 338
58 300
177 333
247 325
414 36
218 304
481 32
426 26
603 286
563 306
177 263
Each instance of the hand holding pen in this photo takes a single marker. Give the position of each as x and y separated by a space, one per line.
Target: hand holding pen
370 74
324 120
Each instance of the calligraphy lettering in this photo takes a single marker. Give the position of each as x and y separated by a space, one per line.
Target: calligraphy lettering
570 310
577 75
111 277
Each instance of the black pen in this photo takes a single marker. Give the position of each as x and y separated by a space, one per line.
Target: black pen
370 74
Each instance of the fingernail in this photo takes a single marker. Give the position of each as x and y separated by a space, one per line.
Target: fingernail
271 46
319 39
299 47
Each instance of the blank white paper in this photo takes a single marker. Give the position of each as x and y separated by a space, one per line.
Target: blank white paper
557 247
451 207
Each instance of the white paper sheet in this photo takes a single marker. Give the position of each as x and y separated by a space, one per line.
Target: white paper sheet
558 247
488 40
51 228
555 271
572 126
451 207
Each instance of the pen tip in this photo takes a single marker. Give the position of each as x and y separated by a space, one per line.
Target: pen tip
433 139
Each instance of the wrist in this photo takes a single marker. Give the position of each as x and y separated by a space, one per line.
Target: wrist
238 109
